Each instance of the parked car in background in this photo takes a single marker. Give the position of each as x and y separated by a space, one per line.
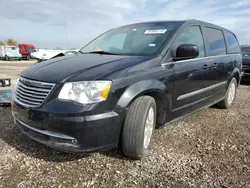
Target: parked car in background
10 52
122 84
43 55
26 50
246 62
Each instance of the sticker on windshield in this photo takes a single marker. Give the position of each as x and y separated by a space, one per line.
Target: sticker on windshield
156 31
152 45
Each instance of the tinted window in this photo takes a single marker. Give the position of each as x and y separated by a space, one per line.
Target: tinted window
116 40
215 41
232 43
136 39
191 35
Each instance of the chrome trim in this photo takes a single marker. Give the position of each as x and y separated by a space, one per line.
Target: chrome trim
33 88
29 95
27 98
32 92
41 89
20 101
45 132
39 83
200 91
101 116
196 59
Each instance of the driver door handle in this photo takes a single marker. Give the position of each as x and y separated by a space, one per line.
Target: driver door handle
205 66
215 65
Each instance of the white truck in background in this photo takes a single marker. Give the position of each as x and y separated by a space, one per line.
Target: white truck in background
42 54
10 52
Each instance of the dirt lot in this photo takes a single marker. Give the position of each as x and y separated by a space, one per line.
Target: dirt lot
210 148
10 69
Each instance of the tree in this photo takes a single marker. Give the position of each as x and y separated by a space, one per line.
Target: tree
11 42
2 43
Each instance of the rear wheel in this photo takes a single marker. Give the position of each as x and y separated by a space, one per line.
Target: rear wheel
28 57
7 58
138 127
230 96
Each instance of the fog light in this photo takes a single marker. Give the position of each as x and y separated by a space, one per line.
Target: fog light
74 141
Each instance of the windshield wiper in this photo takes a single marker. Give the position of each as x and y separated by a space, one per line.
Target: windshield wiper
102 52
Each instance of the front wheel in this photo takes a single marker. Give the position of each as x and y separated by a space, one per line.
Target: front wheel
7 58
230 96
138 127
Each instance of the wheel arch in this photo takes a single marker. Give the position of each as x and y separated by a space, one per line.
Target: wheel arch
236 74
154 88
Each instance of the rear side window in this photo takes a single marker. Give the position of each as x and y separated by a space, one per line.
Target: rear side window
215 41
232 43
191 35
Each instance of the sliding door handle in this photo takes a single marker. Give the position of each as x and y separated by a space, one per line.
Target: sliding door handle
205 66
215 65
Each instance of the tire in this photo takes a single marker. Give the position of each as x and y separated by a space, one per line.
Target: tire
7 58
230 96
135 142
28 57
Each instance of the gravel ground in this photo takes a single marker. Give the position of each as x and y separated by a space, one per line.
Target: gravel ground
210 148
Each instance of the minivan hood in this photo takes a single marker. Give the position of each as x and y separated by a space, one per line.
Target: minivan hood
61 69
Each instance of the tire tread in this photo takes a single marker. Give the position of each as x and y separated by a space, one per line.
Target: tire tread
132 135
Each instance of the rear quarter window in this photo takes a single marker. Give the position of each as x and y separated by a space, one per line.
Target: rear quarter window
215 41
232 43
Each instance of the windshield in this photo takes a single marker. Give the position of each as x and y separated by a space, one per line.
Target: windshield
137 39
245 51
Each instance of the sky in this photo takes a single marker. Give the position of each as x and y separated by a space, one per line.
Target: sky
73 23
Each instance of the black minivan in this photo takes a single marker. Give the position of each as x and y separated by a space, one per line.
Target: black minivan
245 49
126 82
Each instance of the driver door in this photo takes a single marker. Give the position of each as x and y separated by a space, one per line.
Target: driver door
191 77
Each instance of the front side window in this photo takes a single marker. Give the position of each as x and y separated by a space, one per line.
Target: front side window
191 35
137 39
232 43
215 41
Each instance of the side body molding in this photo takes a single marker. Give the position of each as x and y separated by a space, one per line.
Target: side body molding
141 88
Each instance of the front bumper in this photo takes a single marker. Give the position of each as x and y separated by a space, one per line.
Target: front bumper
70 133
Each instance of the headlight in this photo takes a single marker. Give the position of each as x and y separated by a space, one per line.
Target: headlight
85 92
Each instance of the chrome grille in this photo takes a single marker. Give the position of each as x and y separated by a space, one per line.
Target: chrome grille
31 93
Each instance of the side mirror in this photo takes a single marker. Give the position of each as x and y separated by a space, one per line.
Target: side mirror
185 51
